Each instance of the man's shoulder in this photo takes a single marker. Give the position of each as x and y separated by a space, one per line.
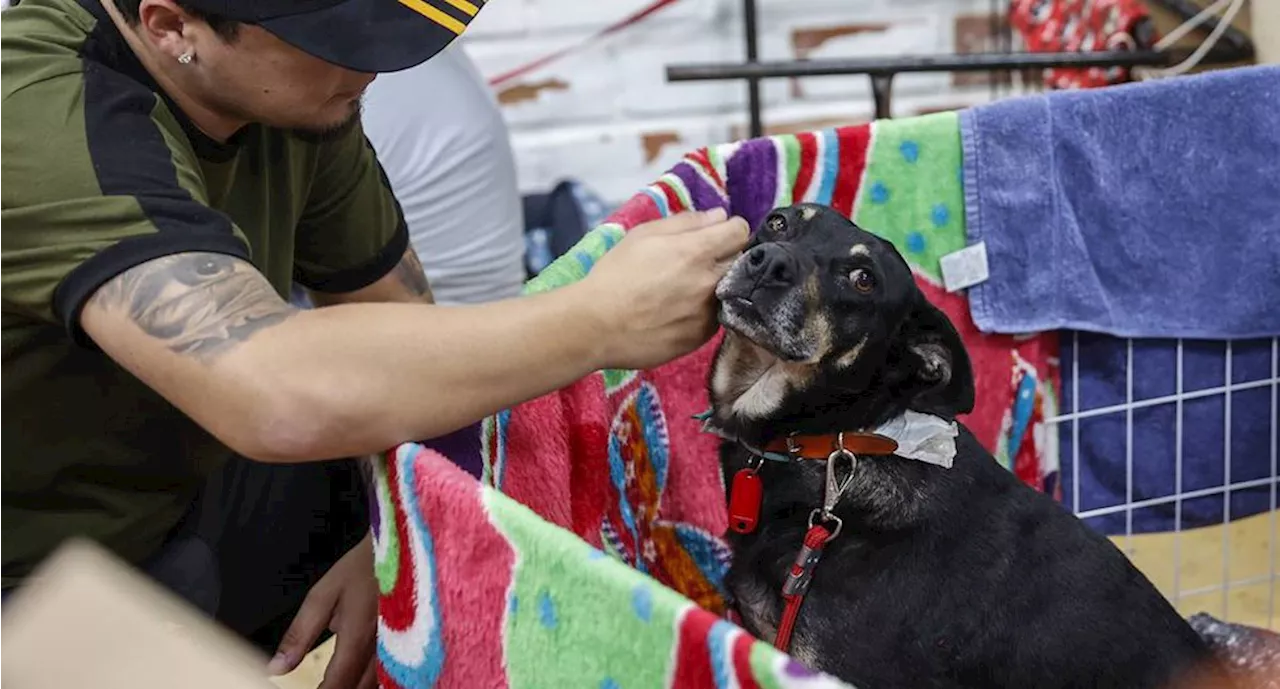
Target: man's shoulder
69 113
46 153
42 40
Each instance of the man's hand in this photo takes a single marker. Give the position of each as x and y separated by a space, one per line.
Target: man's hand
655 291
345 601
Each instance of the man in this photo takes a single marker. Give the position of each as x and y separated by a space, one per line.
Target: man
170 167
450 163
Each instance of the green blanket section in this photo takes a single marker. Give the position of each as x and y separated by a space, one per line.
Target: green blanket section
605 624
924 222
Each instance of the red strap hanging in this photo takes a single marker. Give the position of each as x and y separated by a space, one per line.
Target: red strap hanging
798 580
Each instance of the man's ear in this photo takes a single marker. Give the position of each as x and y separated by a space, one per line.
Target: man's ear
941 368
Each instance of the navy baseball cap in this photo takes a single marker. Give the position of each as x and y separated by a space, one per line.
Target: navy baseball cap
362 35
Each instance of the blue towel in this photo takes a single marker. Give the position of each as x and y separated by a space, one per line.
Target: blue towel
1095 470
1143 210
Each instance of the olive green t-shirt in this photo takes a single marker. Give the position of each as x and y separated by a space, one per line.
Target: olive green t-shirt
101 172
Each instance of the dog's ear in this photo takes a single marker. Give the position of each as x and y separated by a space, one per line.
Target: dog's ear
942 373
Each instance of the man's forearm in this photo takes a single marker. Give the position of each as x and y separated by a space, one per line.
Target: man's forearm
277 383
210 334
353 379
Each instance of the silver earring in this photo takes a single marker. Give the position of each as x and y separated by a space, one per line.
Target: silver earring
186 58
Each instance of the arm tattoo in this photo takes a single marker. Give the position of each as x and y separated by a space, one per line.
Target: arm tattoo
410 274
201 304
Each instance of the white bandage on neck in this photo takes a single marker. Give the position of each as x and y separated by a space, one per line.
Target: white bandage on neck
923 437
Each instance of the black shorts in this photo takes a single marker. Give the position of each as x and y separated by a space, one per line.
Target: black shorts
259 537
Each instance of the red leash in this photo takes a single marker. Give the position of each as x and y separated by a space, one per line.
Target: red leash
746 493
798 580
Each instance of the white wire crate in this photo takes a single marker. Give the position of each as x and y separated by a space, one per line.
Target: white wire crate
1181 473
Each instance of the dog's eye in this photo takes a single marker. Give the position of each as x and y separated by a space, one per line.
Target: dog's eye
776 224
862 281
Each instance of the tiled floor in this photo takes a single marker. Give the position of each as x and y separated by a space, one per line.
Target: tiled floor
1205 559
1203 563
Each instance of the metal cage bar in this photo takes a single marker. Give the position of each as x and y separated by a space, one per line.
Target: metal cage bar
1275 484
1226 480
1227 580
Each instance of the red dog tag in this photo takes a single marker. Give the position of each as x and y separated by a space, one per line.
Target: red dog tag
744 501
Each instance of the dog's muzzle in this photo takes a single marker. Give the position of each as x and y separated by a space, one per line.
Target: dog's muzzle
762 299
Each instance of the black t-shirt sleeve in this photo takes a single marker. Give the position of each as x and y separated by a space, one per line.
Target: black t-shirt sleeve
352 231
98 179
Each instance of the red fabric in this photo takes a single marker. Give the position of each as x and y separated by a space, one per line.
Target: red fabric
589 442
639 209
1053 26
693 659
742 661
808 160
695 456
673 199
399 608
855 143
541 430
385 681
992 358
1025 465
703 161
482 560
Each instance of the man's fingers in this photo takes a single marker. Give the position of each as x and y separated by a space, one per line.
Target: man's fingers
312 618
722 266
352 655
723 241
684 222
370 679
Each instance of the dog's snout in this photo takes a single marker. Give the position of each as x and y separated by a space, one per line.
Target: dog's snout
771 264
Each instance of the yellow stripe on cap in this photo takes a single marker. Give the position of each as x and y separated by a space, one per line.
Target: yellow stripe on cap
467 8
435 15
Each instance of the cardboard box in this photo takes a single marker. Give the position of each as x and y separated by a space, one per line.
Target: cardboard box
87 620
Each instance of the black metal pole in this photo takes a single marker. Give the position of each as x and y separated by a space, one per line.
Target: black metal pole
991 44
753 83
975 62
882 93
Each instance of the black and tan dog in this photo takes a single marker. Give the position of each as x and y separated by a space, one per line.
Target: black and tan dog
947 571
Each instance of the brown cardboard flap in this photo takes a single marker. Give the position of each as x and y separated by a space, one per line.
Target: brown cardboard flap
85 619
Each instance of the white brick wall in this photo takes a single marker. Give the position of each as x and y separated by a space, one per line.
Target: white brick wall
607 116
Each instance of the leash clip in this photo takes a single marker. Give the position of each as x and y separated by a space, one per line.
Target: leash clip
816 517
835 487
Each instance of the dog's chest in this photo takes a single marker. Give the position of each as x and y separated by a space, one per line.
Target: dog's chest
857 614
841 615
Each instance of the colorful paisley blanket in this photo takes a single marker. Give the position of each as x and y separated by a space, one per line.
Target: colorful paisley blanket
573 541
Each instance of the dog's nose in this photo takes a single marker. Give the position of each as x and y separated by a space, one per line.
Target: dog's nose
770 264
